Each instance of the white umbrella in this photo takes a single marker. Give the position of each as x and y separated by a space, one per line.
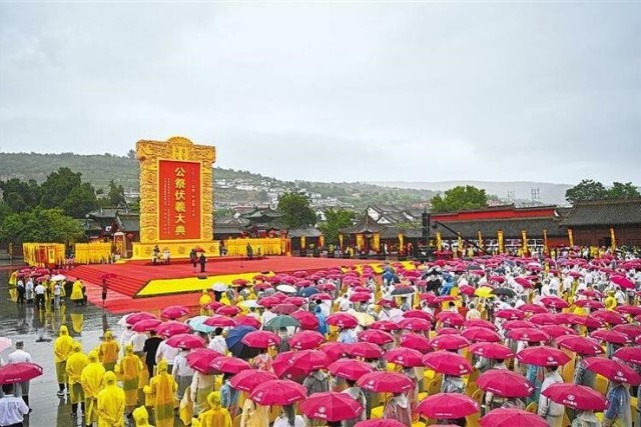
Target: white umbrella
5 343
288 289
58 278
219 287
250 303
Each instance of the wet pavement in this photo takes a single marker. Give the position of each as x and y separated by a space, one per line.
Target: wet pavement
38 329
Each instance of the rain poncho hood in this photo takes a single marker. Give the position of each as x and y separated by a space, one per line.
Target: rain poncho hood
109 378
214 399
93 356
141 416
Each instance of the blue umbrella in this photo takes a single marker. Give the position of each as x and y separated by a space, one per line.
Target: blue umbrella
307 292
196 324
235 344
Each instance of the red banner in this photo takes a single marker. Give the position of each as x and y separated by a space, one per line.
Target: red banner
179 200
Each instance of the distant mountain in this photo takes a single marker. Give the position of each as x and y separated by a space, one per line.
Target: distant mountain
548 193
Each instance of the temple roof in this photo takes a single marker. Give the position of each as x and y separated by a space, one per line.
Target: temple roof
365 225
605 213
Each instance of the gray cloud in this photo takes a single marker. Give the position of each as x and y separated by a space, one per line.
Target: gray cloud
332 91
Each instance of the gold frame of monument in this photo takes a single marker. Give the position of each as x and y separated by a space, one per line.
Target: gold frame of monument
149 154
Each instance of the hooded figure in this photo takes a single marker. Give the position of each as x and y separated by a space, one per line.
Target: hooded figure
61 351
75 365
216 416
76 292
203 301
130 368
254 415
201 386
162 388
111 403
108 352
398 408
316 382
91 380
141 417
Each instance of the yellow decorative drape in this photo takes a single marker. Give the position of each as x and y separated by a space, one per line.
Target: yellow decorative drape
43 254
524 241
266 246
303 242
545 241
92 253
401 243
613 240
501 243
376 242
571 237
359 241
459 248
480 239
321 241
439 241
340 241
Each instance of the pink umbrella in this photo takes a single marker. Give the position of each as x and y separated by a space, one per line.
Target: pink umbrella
174 312
187 341
248 321
333 350
171 328
589 322
420 314
476 334
134 318
385 382
544 319
146 325
385 325
611 317
379 423
524 282
556 331
375 336
229 365
416 342
505 383
610 336
622 281
480 323
542 356
365 349
350 369
632 310
554 302
228 310
200 360
284 308
510 314
306 320
504 417
446 362
580 345
306 340
219 321
491 350
342 320
517 324
19 372
449 342
297 301
448 331
578 397
589 303
533 308
528 334
278 392
248 380
309 360
451 318
214 305
447 406
331 406
629 354
405 357
612 370
285 370
415 324
269 302
261 339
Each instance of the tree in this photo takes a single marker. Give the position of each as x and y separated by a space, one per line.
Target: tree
116 195
20 195
65 189
623 191
334 221
296 211
131 154
586 190
41 225
80 201
460 198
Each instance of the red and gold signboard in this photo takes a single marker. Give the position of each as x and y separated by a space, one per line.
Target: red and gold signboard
179 200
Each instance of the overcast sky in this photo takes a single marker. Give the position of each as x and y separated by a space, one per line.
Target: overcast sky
335 91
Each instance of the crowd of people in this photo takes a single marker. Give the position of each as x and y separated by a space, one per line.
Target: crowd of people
545 341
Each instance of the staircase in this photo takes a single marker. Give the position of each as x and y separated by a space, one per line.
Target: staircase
128 286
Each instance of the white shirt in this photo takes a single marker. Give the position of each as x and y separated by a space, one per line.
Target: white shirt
282 421
138 341
344 304
40 290
473 313
267 316
218 344
19 356
166 352
12 410
181 368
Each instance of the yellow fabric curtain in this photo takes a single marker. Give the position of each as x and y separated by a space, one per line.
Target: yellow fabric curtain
480 239
545 241
570 237
340 241
524 241
92 253
439 241
267 246
501 243
359 241
321 241
43 254
613 240
459 249
376 242
401 243
303 242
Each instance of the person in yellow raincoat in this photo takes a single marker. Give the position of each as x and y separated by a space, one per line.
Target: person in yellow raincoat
203 301
61 351
111 403
162 388
130 368
141 417
108 351
610 302
91 380
216 416
76 292
201 386
75 364
254 415
77 321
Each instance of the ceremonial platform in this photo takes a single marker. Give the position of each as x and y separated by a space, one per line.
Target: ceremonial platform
139 285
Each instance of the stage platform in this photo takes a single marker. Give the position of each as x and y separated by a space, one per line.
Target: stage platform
138 285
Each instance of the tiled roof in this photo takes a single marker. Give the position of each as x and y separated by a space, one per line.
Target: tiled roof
605 213
511 228
307 232
365 225
128 222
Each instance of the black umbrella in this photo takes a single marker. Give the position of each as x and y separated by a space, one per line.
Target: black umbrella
504 292
403 290
235 343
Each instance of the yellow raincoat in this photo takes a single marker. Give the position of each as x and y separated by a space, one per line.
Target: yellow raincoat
141 417
77 321
217 416
162 388
203 301
91 380
130 368
61 351
76 291
108 352
75 364
254 415
111 403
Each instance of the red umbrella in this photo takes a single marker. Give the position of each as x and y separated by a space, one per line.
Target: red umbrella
379 423
476 334
350 369
416 342
542 356
446 362
631 330
447 406
505 383
171 328
420 314
261 339
146 325
248 380
405 357
285 370
556 331
278 392
622 281
467 290
331 406
544 319
512 417
610 336
333 350
134 318
385 325
449 342
239 282
229 365
248 321
479 323
228 310
578 397
359 297
306 320
415 324
629 354
554 302
187 341
365 349
342 320
510 314
517 324
297 301
580 345
611 317
524 282
269 302
174 312
214 305
284 308
528 334
320 296
443 298
589 303
219 321
612 370
589 322
309 360
385 382
19 372
306 340
448 331
491 350
451 318
200 359
375 336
